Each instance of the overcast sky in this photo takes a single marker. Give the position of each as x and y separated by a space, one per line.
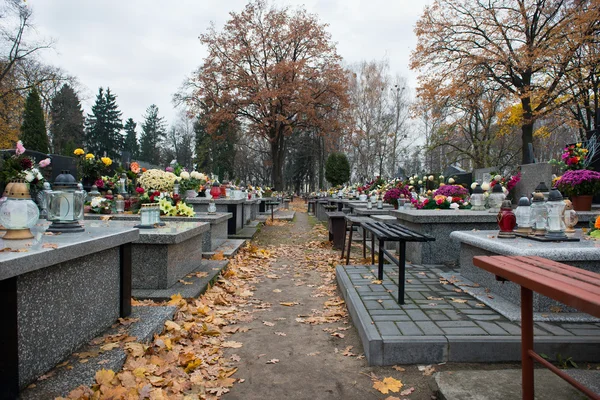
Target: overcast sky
144 49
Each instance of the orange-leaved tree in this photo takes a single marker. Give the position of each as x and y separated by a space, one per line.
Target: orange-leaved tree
275 71
527 47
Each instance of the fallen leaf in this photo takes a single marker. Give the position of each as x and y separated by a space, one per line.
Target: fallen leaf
104 376
388 384
426 369
273 361
280 333
376 282
460 301
408 391
109 346
50 246
398 368
276 290
235 357
267 323
289 303
232 345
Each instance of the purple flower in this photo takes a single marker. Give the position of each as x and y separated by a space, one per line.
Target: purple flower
169 169
578 182
452 191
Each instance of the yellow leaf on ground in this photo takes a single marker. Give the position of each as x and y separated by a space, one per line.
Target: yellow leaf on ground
388 384
104 376
175 300
109 346
136 349
232 344
172 326
376 282
289 303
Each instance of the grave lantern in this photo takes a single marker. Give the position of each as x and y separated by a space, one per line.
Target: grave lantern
570 217
18 213
555 228
65 204
146 217
43 197
523 214
539 214
212 207
506 220
496 198
543 189
215 190
477 199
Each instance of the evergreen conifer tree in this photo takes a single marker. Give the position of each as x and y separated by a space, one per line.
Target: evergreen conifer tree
66 122
131 143
153 133
33 129
103 126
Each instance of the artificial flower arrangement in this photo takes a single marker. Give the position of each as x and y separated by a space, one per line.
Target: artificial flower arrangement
170 204
91 168
156 179
20 166
579 182
191 180
101 205
576 156
400 191
446 197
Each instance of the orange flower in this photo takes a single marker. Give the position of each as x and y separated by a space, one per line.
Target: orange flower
135 167
597 223
143 169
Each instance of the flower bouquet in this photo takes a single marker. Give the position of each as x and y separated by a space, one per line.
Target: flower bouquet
20 166
155 179
392 195
595 228
90 167
446 197
170 204
101 205
581 182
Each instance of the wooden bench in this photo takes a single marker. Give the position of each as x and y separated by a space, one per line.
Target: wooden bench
572 286
272 204
394 233
336 228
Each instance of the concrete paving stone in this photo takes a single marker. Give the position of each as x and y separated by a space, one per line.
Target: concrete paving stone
377 288
455 316
387 328
579 326
415 295
510 327
393 318
391 304
372 305
429 328
409 307
437 316
415 350
487 317
374 296
463 331
484 348
492 328
417 315
363 289
437 306
462 306
585 332
457 324
388 312
552 328
409 328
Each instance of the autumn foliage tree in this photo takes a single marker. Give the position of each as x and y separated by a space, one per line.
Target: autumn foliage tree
527 47
274 71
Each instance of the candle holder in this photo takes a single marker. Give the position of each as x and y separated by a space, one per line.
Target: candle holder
570 217
146 217
65 204
539 215
506 221
523 214
18 213
477 199
555 226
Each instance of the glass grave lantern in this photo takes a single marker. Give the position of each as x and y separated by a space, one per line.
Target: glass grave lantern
65 204
543 189
477 199
496 198
523 214
539 215
146 217
570 217
215 190
212 207
555 227
506 221
18 213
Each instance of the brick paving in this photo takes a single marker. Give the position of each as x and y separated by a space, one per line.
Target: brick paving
440 322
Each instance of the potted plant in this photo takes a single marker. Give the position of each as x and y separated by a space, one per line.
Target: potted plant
395 193
580 185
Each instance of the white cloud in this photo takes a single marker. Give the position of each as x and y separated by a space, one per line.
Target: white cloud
144 49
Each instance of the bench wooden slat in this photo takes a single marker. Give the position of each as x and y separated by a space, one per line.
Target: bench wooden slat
557 275
568 270
556 289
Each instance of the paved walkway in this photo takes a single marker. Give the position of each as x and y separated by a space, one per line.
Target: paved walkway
441 322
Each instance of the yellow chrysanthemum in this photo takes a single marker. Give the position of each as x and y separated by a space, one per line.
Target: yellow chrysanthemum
89 156
79 152
107 161
578 145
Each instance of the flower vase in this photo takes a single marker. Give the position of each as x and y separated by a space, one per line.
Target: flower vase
396 206
582 202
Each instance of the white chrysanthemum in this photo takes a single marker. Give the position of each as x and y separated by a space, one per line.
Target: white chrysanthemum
29 177
184 175
485 186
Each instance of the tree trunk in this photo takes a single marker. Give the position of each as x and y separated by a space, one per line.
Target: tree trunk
277 156
527 132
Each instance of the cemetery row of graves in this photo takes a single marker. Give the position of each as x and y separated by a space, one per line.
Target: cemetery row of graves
85 242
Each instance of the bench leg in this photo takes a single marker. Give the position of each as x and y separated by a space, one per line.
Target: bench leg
125 279
344 239
9 338
364 240
527 342
402 272
380 269
349 244
372 247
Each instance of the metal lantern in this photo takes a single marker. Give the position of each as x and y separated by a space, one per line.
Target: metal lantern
65 204
539 214
496 198
43 200
18 213
477 199
543 189
555 228
123 185
523 214
570 217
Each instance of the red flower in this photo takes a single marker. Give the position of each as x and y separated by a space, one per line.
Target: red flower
140 190
26 163
573 160
99 183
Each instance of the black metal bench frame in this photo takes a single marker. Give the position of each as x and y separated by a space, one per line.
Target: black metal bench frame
394 233
353 220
